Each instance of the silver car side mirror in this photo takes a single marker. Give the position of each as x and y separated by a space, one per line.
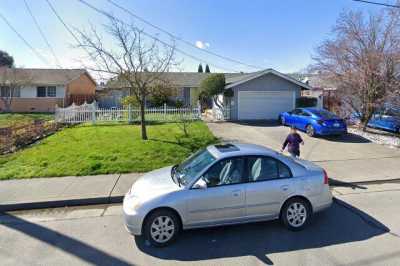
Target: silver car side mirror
200 184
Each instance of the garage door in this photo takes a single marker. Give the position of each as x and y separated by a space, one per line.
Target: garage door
264 104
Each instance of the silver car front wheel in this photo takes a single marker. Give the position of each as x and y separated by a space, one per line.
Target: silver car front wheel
161 227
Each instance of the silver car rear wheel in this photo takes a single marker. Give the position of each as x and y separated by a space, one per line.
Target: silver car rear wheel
296 214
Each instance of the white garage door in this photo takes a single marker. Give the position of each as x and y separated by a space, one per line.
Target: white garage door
264 104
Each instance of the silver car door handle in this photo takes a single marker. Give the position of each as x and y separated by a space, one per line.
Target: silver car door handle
236 193
285 187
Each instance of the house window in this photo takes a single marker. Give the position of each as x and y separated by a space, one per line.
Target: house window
7 92
51 91
41 92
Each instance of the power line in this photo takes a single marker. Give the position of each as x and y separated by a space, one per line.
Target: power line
44 60
152 36
377 3
63 22
42 34
181 39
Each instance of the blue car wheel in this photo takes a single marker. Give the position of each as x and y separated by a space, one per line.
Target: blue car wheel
282 120
310 130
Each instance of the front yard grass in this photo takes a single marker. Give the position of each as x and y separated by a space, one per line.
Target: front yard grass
105 149
15 119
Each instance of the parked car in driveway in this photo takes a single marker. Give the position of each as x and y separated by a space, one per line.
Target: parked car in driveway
222 185
385 121
314 121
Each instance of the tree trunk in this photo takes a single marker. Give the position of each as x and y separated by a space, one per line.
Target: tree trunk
368 116
142 117
7 104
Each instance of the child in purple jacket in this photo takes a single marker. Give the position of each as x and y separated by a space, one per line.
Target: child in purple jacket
293 141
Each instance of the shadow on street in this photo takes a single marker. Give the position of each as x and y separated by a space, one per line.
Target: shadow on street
63 242
347 138
258 123
338 225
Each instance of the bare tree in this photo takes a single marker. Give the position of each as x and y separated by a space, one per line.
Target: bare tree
137 63
361 59
11 82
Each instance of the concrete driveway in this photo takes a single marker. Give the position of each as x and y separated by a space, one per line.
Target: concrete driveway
349 158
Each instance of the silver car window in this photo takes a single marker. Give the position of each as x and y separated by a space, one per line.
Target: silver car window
189 169
225 172
266 168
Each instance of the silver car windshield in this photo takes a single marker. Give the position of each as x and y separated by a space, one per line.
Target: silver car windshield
189 169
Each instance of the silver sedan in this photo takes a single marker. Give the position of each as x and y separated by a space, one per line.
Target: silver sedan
222 185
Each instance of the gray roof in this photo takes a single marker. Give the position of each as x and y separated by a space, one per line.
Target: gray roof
194 79
40 76
185 79
316 81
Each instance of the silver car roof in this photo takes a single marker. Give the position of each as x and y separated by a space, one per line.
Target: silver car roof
240 149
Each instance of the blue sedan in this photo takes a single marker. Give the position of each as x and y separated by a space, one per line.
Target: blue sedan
314 121
385 122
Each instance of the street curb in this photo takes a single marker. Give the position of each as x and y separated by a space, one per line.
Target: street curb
59 203
119 199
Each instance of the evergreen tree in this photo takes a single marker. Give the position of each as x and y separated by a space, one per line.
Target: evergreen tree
6 59
200 68
207 69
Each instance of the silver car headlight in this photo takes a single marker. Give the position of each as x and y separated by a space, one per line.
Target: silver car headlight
132 202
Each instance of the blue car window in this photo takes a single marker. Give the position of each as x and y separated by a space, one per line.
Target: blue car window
324 114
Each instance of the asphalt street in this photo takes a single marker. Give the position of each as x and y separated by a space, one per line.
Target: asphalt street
361 228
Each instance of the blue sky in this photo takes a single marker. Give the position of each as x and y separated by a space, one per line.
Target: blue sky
281 34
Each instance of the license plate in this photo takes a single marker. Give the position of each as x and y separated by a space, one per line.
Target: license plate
336 125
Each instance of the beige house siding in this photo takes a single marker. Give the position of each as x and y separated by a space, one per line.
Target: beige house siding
83 85
41 105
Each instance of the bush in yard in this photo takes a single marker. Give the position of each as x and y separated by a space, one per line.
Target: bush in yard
129 100
303 102
159 95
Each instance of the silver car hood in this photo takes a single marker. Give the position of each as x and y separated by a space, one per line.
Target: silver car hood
154 183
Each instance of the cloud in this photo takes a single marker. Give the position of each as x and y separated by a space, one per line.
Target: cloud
202 45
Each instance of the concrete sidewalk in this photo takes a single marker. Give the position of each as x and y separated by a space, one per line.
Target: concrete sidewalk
34 193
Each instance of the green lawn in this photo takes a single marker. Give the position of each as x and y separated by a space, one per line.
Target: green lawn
104 149
10 119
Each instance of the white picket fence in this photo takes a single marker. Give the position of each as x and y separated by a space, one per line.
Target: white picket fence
91 113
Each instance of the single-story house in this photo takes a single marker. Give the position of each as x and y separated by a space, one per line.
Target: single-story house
257 95
40 90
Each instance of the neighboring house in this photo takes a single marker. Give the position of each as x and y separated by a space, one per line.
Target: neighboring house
43 89
321 89
257 95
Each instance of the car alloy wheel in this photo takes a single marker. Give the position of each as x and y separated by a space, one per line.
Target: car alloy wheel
296 214
161 227
282 120
310 131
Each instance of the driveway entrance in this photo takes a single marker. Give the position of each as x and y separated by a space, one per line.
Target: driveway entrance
349 158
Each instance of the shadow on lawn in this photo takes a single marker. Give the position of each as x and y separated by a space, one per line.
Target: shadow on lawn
190 143
262 239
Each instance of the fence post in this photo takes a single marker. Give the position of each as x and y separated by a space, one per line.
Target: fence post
165 111
129 114
94 112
